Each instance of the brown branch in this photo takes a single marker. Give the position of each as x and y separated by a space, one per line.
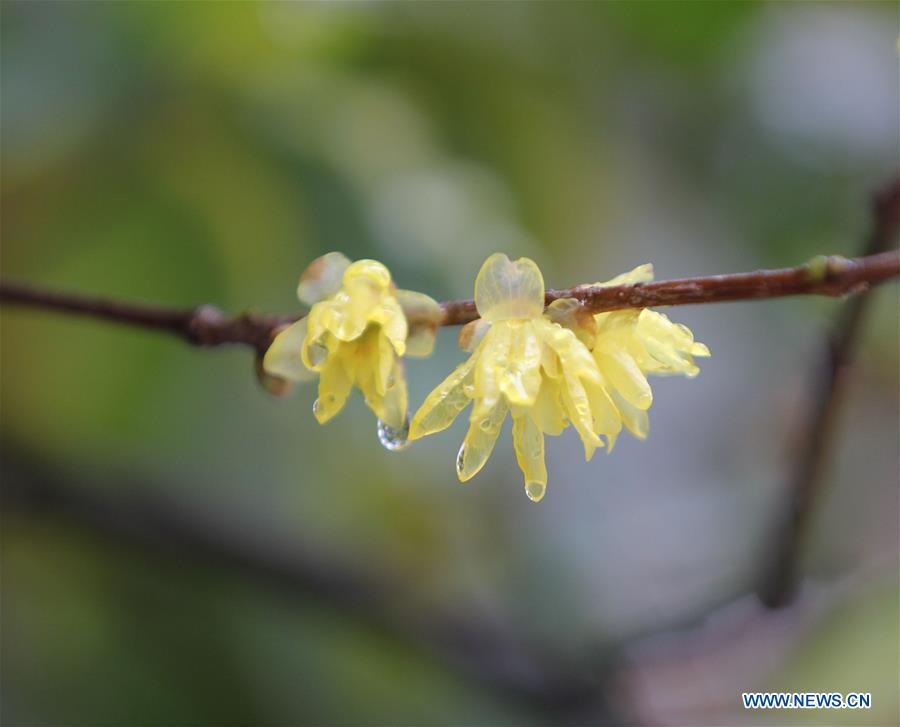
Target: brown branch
779 575
831 276
208 326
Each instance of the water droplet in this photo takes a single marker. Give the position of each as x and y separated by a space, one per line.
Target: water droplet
535 490
317 406
460 459
485 425
391 381
469 390
317 353
393 439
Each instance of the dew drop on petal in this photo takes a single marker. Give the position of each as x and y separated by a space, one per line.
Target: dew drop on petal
460 459
317 353
393 439
485 425
535 490
317 406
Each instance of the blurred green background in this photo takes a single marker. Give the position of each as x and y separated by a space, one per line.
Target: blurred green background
207 152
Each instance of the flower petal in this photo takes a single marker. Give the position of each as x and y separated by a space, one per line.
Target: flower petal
606 417
492 359
578 411
283 359
521 379
334 388
445 403
393 322
548 410
640 274
528 441
636 420
391 408
479 442
384 360
471 334
368 272
322 279
423 314
621 370
506 289
574 356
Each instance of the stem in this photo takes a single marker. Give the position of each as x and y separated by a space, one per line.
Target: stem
803 488
208 326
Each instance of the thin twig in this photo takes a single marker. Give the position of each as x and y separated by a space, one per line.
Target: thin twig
485 653
777 584
206 325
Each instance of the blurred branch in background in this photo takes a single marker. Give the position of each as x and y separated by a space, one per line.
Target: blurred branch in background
779 571
487 654
206 325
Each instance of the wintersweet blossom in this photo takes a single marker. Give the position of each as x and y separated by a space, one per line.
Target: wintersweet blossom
523 364
355 334
630 344
551 368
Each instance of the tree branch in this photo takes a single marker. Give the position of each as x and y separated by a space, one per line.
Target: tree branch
208 326
777 583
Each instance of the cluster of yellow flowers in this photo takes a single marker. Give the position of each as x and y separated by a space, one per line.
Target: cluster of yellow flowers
546 368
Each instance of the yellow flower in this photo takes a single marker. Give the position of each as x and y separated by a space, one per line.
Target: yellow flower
523 364
550 369
356 334
629 344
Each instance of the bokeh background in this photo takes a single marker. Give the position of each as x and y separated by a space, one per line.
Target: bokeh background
207 152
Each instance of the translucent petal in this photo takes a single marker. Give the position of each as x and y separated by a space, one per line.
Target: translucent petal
662 347
640 274
636 420
317 349
574 357
492 359
549 361
471 334
623 373
283 359
420 341
384 361
371 272
391 408
322 279
606 417
479 442
506 289
393 322
521 379
445 403
345 319
423 314
578 412
334 388
529 445
313 351
700 349
548 410
669 360
621 321
657 325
